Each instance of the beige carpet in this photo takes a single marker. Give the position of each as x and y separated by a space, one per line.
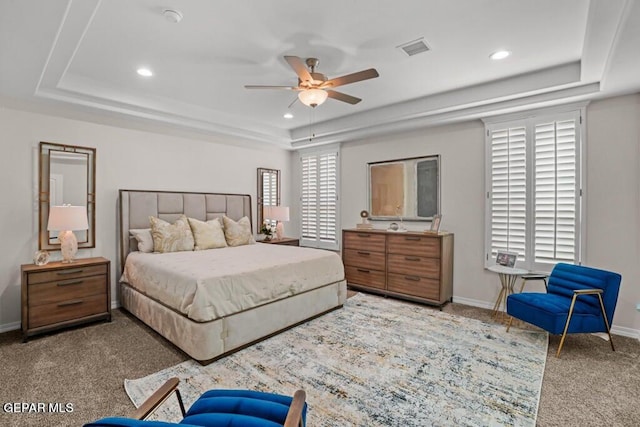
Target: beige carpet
589 386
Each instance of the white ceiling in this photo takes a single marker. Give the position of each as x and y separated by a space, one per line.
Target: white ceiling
79 59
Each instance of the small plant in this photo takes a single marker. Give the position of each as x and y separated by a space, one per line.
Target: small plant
267 229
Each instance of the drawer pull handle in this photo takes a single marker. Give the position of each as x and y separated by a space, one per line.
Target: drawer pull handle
74 282
72 302
412 278
363 235
362 270
67 272
412 258
415 239
364 253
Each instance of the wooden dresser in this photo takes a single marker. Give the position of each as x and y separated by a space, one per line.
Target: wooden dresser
59 295
411 265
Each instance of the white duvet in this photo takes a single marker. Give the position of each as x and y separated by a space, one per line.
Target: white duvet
206 285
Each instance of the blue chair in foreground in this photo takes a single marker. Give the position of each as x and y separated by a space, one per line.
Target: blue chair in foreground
579 299
220 408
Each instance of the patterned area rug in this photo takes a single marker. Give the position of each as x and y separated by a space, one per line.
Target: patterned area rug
381 362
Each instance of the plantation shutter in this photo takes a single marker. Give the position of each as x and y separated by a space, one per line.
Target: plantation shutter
556 191
319 199
534 189
508 190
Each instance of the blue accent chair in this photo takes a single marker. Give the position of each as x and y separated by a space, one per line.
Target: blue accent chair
579 299
220 408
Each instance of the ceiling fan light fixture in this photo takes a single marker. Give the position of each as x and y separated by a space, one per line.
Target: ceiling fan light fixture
313 97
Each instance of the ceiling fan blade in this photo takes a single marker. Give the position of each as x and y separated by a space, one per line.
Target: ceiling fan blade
299 67
371 73
343 97
270 87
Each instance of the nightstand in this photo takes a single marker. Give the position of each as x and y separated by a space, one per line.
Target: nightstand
289 241
57 295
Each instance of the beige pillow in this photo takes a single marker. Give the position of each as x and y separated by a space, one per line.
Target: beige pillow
144 239
238 233
171 237
207 235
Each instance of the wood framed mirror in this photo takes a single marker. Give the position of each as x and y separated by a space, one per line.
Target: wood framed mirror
407 189
67 175
268 191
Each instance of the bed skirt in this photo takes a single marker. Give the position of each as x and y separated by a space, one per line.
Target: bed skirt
207 341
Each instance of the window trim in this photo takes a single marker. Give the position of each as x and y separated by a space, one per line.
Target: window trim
528 119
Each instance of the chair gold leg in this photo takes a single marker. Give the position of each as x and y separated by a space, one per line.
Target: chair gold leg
509 324
606 321
566 325
522 286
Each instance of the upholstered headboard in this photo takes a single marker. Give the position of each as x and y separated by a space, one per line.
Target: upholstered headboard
136 206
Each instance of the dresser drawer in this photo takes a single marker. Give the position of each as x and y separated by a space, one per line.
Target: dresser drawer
414 285
67 289
414 245
414 265
364 277
48 314
367 241
67 273
364 259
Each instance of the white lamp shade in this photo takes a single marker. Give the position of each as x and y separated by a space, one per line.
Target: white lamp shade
277 213
63 218
313 97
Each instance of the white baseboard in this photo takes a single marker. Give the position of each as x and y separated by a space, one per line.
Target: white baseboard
9 327
617 330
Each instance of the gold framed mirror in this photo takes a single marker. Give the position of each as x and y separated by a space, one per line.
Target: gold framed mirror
268 191
67 176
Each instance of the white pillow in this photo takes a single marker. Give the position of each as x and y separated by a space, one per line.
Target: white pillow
207 235
171 237
238 233
144 239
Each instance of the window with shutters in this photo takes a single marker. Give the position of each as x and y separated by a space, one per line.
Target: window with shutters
534 189
319 198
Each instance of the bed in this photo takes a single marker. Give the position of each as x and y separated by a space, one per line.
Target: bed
212 302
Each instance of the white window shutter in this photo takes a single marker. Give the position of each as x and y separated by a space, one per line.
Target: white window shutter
319 199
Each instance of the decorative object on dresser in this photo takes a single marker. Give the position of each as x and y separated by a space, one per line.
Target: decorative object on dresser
278 214
365 224
65 220
41 258
413 265
59 295
435 223
289 241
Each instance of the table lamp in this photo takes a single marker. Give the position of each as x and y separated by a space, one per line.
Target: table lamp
279 214
65 219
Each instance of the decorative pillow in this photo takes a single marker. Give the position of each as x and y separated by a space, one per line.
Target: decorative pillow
207 235
144 239
171 237
238 233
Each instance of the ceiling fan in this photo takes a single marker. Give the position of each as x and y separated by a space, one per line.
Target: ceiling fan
314 88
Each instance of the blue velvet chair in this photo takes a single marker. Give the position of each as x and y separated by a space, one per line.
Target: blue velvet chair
220 408
579 299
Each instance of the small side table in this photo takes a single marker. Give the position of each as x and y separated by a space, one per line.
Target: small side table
508 277
288 241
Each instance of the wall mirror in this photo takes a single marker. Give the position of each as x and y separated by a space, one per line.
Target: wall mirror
407 189
67 175
268 190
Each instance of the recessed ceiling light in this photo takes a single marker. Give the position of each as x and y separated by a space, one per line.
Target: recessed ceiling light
145 72
501 54
172 15
288 116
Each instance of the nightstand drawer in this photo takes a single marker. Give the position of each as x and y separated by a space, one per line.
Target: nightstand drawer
67 273
67 289
48 314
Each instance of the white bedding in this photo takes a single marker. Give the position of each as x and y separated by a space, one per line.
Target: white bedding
210 284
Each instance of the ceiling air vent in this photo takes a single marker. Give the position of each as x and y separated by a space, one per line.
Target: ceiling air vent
414 47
